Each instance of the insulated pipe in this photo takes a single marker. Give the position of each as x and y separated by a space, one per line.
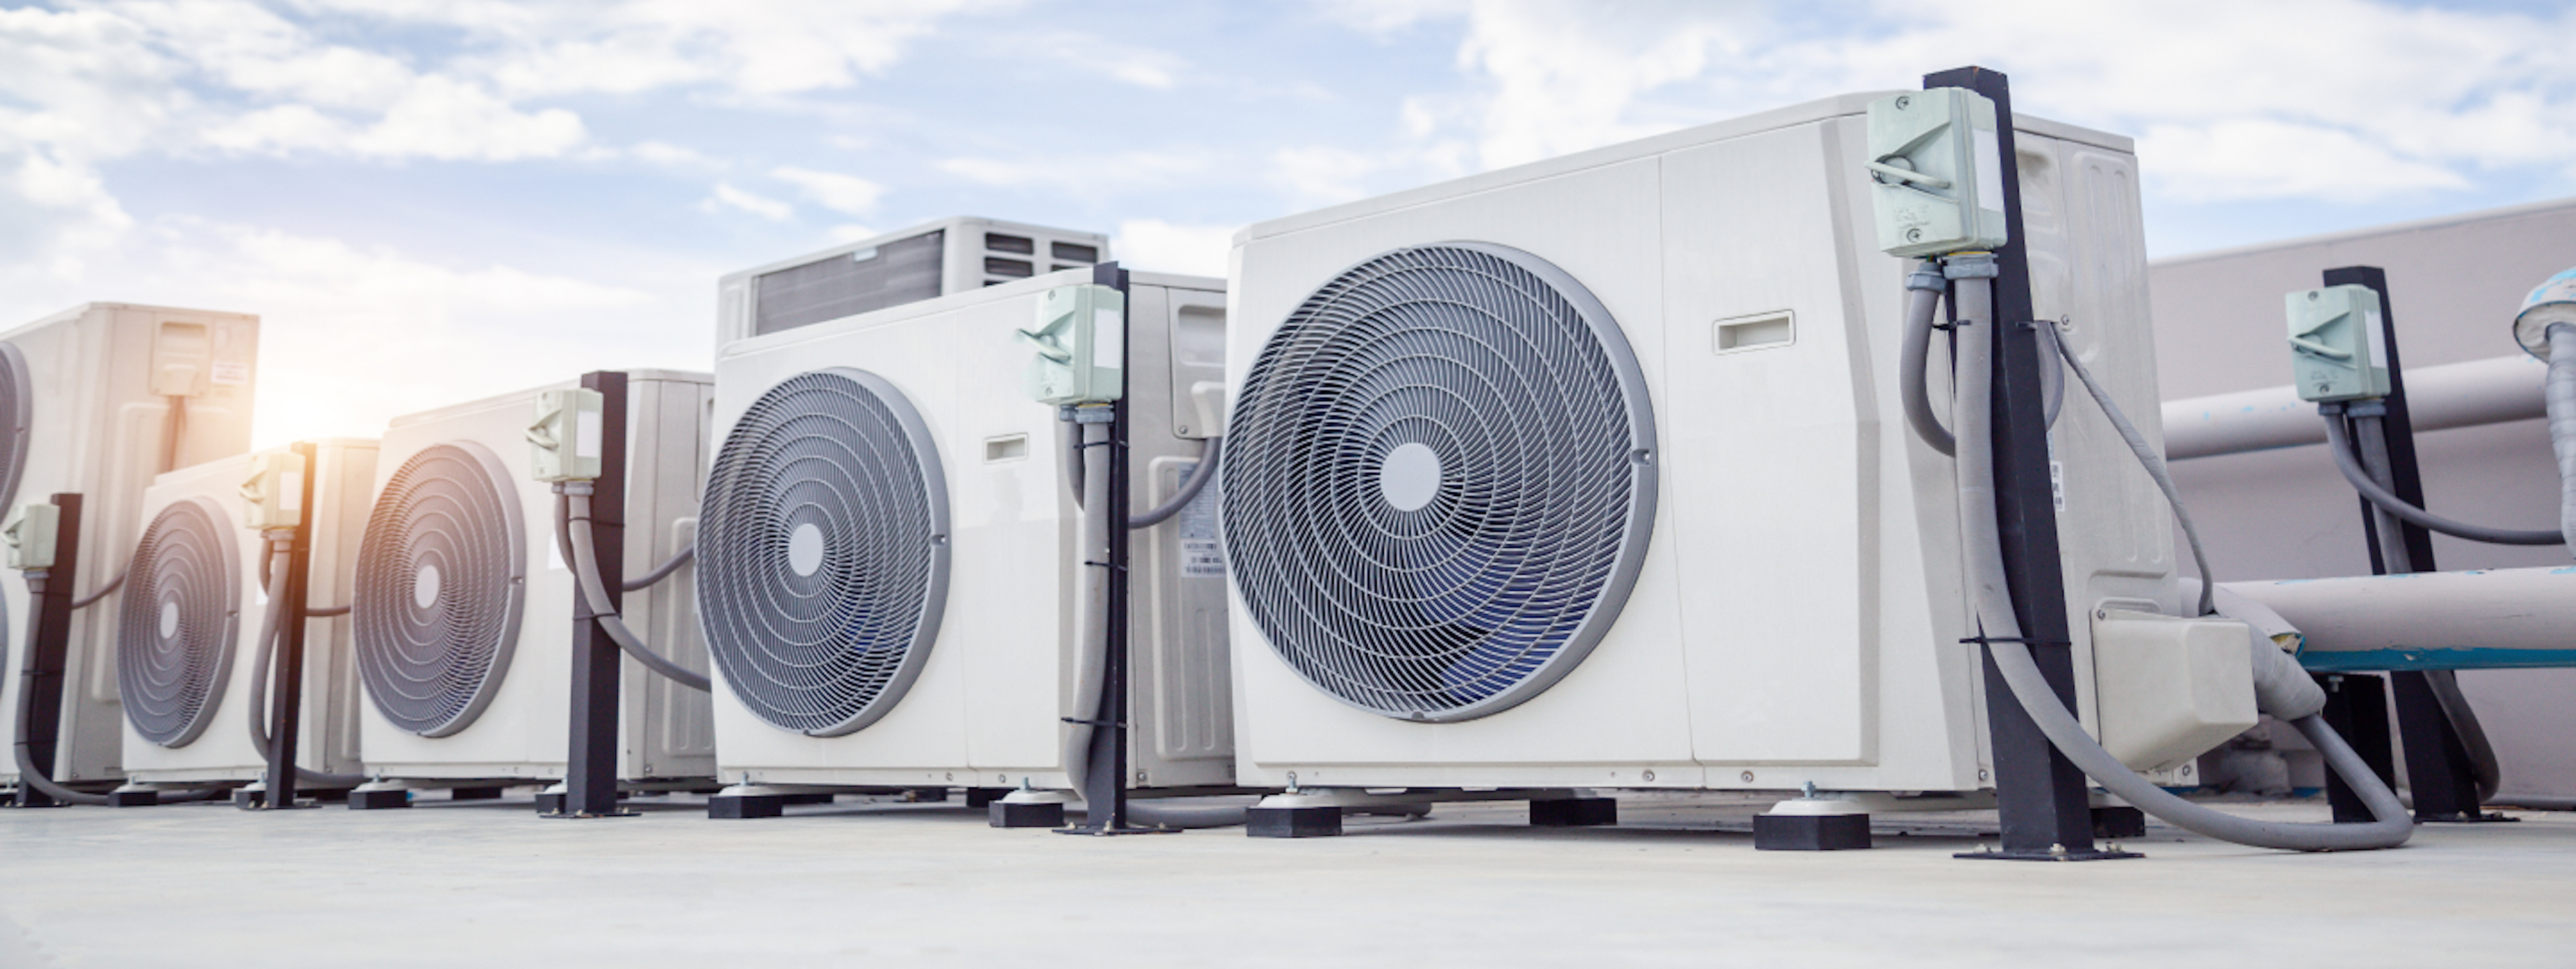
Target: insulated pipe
1991 610
2558 394
91 599
574 513
1211 452
26 716
2471 394
2483 619
1091 667
1923 291
662 571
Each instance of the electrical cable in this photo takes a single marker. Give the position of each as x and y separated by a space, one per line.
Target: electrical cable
572 512
662 571
23 751
1211 452
1091 666
1923 292
91 599
1991 611
2148 458
272 623
2339 442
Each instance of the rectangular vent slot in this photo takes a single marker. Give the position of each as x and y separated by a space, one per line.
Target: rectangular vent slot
1008 447
1001 243
1014 268
1075 252
1757 332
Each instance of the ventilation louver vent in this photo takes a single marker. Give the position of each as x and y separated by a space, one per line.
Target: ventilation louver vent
17 395
1439 481
441 571
178 622
823 552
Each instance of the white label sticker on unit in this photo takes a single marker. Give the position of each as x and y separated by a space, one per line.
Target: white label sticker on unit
2057 482
1990 172
585 434
1201 557
1108 338
229 373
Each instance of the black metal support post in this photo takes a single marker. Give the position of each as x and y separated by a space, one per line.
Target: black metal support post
590 768
2357 709
286 683
40 680
2046 814
2439 772
1104 794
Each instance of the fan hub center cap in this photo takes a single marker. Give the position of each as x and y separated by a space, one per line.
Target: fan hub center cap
424 587
169 618
805 549
1410 478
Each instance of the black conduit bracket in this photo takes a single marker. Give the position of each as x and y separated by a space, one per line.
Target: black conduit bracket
590 767
48 648
286 683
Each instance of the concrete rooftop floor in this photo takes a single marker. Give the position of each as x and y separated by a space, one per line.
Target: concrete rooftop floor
1678 883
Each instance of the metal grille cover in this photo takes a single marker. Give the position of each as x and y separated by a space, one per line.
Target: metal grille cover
1439 481
823 551
17 395
898 272
179 619
441 572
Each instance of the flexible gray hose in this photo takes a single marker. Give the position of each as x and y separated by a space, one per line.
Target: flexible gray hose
1992 612
662 571
575 514
2340 443
1073 460
2559 393
1922 301
1091 666
326 612
26 716
91 599
2147 458
272 621
2397 559
1211 451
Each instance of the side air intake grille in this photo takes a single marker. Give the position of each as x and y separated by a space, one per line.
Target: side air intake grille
823 552
441 571
898 272
1439 481
178 622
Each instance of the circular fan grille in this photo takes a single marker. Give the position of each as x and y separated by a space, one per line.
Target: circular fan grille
178 621
1439 482
16 399
823 551
441 571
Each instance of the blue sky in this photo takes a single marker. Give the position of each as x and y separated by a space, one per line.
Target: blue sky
399 186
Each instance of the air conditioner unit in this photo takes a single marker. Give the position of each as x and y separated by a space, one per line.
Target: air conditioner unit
463 602
97 400
885 571
1593 472
187 628
953 255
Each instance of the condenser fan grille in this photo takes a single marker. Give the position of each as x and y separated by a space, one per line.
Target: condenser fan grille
16 399
178 622
1439 481
441 573
822 551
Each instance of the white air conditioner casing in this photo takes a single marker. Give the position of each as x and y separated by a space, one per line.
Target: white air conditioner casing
1795 612
990 685
952 255
97 381
344 476
519 728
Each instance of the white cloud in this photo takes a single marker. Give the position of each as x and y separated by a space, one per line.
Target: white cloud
846 194
1128 64
1109 172
2376 99
728 197
1159 246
